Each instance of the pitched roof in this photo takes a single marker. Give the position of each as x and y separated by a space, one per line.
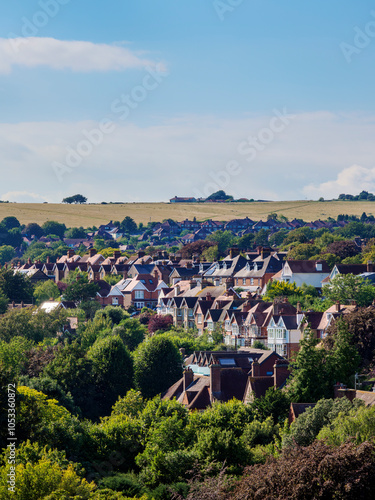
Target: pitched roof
307 266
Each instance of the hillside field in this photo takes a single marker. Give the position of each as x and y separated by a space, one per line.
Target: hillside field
96 214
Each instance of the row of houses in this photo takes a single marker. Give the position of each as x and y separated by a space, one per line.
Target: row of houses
186 231
245 320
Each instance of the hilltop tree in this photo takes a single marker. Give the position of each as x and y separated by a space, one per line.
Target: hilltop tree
77 198
220 196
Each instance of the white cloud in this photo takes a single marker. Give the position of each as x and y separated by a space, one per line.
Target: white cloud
184 155
79 56
22 197
351 180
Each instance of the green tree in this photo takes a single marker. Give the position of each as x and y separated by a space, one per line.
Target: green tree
112 370
81 290
12 356
275 403
245 242
45 479
132 333
347 287
53 227
300 235
302 251
157 365
114 313
281 289
6 254
73 371
261 238
10 222
357 424
33 229
223 239
304 430
4 301
361 326
77 198
220 196
45 291
310 380
75 233
128 225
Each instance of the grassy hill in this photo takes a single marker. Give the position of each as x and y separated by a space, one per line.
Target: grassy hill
95 214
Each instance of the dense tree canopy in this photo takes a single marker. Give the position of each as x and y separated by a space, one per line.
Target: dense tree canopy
157 365
348 287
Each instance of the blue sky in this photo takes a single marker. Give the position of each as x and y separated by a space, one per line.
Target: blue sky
225 70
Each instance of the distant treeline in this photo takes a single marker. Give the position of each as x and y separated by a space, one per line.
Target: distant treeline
363 195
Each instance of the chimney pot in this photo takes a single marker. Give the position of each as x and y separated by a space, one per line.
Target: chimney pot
215 381
280 372
188 378
255 369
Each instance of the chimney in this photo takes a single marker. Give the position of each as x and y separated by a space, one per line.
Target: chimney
189 265
156 274
208 296
70 253
92 252
215 381
370 267
275 308
29 261
141 253
116 254
48 259
229 283
298 307
192 284
233 252
188 378
280 372
176 290
255 369
337 306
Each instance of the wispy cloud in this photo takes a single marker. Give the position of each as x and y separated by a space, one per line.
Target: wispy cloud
78 56
22 197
